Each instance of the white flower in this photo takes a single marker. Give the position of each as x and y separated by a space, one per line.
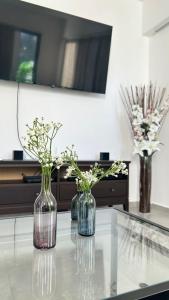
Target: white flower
146 145
69 171
39 141
145 129
89 177
154 128
59 161
123 166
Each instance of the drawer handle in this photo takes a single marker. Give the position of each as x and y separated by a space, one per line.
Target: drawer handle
113 190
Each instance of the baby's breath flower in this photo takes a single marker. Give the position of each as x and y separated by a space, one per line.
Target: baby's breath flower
39 139
85 180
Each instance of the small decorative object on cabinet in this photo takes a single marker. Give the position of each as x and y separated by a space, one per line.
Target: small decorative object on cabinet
147 108
39 143
17 155
104 155
85 181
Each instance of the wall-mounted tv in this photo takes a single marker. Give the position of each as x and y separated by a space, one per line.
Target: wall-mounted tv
47 47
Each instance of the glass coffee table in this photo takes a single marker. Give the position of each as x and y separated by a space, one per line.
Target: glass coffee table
128 258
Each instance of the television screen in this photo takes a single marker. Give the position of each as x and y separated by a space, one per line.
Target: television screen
47 47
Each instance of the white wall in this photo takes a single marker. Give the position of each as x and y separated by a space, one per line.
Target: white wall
155 15
159 72
92 122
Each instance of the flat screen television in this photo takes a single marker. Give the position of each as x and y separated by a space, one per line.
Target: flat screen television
47 47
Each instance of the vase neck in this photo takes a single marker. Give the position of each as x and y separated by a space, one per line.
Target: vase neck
146 157
79 192
46 181
86 192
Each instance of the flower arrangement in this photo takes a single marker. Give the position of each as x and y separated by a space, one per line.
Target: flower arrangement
85 180
147 108
38 142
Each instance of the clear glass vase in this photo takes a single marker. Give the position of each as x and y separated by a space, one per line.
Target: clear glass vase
86 214
45 215
74 206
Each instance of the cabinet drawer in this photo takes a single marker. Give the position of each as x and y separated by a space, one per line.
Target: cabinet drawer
64 205
110 188
16 208
110 201
103 189
67 191
21 193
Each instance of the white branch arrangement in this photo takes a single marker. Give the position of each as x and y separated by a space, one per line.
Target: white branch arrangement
147 108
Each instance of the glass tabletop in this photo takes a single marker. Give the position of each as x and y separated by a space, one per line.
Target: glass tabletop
126 254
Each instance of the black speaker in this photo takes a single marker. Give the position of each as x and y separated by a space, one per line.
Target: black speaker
104 155
18 155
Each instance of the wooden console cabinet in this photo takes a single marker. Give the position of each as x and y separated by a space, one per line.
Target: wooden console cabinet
18 197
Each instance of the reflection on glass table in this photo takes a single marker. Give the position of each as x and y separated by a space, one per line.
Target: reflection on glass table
43 274
127 258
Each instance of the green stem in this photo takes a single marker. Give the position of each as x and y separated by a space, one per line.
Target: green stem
46 180
51 139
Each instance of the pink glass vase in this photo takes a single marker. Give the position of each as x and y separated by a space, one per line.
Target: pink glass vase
45 215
